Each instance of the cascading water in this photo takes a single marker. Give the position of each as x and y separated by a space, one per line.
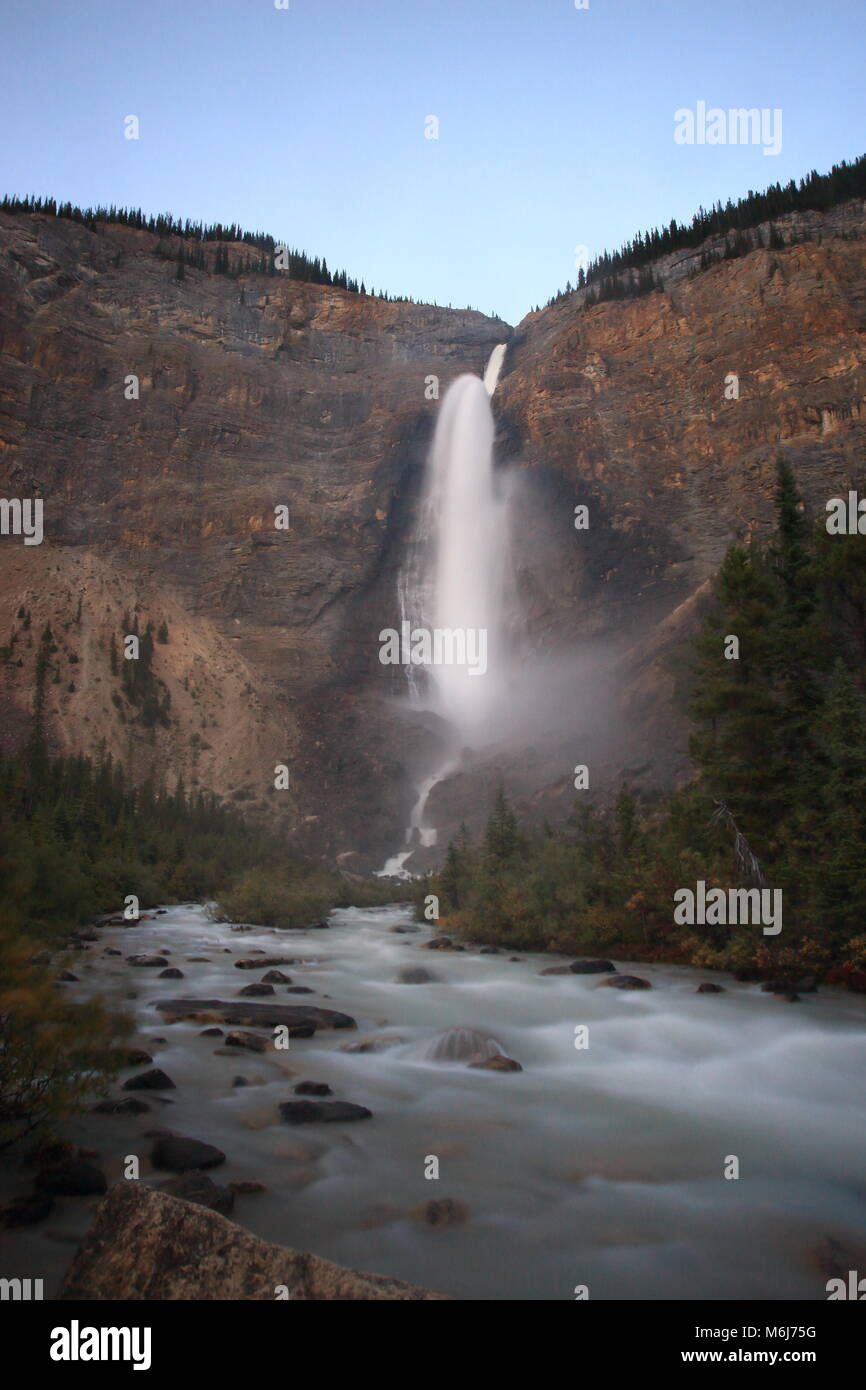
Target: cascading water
453 580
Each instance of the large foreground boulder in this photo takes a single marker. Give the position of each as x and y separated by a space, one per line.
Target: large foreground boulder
146 1245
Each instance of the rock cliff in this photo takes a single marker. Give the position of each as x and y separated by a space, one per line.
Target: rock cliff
259 392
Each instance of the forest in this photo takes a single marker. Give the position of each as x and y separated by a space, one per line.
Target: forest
777 800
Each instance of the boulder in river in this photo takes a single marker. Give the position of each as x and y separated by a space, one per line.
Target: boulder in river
256 991
460 1045
502 1063
171 973
293 1016
211 1032
312 1088
176 1154
489 951
141 1242
26 1210
625 982
249 963
441 1211
556 970
441 943
707 987
276 977
125 1105
380 1042
72 1178
137 1057
592 967
246 1187
301 989
311 1112
153 1080
416 975
197 1187
254 1042
147 960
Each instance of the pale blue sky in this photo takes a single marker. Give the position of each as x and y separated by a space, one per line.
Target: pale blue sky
556 124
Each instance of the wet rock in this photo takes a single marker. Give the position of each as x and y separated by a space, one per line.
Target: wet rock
310 1112
489 951
441 1211
515 959
256 991
172 973
161 911
246 1187
379 1043
302 989
707 987
25 1210
276 977
262 1015
440 943
176 1154
556 970
126 1105
154 1080
497 1064
147 960
67 977
198 1188
461 1045
592 967
312 1088
253 1042
199 960
416 975
137 1057
625 982
238 1081
784 986
112 951
72 1178
249 964
211 1033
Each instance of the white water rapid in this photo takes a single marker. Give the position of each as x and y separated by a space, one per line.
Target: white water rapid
603 1166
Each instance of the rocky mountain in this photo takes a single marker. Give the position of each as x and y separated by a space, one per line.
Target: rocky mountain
258 393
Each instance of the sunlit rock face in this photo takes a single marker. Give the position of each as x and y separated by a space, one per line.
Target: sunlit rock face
263 392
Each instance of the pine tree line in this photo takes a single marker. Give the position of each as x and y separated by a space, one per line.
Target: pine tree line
814 193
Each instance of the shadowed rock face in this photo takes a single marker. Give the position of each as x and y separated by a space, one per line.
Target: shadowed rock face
262 392
147 1245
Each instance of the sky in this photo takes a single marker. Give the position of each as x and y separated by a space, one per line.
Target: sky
555 124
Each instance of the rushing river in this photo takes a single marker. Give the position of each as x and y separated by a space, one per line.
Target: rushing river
601 1166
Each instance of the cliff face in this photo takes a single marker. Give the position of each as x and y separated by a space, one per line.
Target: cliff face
260 392
253 394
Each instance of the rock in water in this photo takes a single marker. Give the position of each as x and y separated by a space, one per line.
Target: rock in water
73 1178
592 967
460 1045
311 1112
442 1211
625 982
153 1080
156 1248
497 1064
197 1187
416 975
174 1154
709 988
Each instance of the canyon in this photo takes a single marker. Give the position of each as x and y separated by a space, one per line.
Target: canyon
261 392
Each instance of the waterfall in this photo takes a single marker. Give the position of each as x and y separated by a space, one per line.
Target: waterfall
453 578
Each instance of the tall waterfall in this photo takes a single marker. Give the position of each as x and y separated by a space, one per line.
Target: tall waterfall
452 581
